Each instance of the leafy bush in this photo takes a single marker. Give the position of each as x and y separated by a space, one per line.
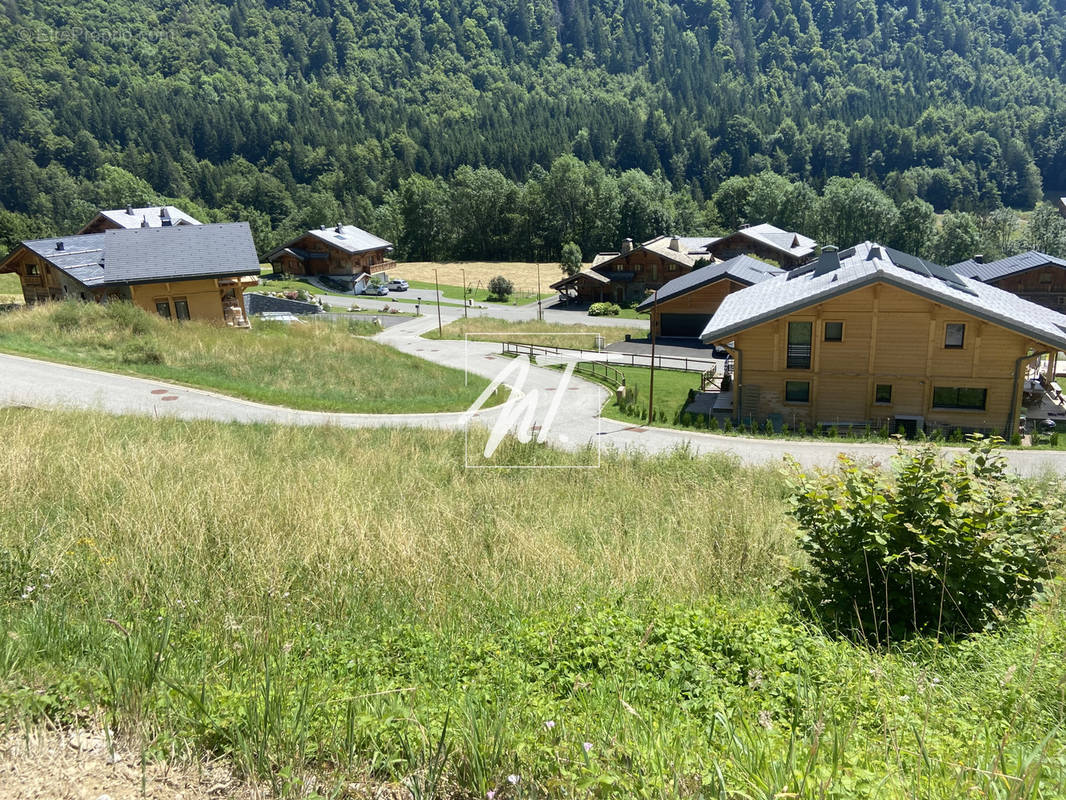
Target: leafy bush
500 288
929 547
604 310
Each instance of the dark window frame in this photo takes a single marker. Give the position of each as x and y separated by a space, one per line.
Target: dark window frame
825 331
798 354
31 270
160 305
184 302
953 397
877 394
807 394
947 335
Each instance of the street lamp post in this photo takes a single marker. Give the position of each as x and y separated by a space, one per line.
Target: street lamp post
463 270
651 379
436 285
540 309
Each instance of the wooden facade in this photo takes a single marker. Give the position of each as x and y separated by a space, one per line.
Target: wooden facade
1044 285
881 355
311 255
679 315
219 300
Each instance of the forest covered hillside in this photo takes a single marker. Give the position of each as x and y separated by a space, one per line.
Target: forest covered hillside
293 112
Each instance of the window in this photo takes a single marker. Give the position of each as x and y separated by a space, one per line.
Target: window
181 308
31 269
954 335
671 267
162 308
797 392
834 331
959 397
883 393
798 355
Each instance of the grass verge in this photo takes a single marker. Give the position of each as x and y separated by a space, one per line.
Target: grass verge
546 334
431 631
318 367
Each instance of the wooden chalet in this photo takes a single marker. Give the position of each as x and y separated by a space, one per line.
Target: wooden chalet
683 307
181 272
874 336
1034 276
343 251
787 249
628 275
130 217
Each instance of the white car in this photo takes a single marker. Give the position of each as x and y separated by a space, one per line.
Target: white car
376 289
398 285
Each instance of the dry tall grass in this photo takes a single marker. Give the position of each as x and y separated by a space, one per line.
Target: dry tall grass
522 274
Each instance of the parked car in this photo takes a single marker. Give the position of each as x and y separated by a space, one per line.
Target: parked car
377 289
397 285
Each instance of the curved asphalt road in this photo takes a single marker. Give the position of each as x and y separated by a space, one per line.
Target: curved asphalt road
28 382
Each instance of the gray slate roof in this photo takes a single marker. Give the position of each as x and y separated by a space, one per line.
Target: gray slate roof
994 270
152 255
154 216
348 238
868 263
742 269
789 242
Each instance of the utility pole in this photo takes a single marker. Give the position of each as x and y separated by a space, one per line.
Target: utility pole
651 381
436 285
463 270
540 309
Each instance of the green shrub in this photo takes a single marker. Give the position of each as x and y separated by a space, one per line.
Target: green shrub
728 426
1053 439
604 310
768 428
500 288
1016 439
712 422
143 350
956 435
928 547
801 429
884 432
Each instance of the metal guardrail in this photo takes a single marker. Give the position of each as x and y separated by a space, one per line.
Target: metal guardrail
676 363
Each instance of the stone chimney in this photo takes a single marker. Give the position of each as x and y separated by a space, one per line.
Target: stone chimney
979 258
129 209
675 244
627 246
60 246
164 218
144 222
339 228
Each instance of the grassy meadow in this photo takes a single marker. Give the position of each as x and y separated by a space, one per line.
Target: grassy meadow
435 632
546 334
317 367
10 288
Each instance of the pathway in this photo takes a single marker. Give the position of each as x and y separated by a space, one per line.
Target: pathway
42 384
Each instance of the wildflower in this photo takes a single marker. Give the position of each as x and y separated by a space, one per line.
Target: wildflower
766 720
587 746
513 780
491 793
549 724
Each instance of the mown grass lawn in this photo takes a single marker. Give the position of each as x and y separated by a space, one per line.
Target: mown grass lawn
671 394
318 367
10 288
374 615
546 334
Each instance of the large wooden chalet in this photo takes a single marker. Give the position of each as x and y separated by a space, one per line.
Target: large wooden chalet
683 307
874 336
179 272
787 249
343 251
1034 276
628 275
130 217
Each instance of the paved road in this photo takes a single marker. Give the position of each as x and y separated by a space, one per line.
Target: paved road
576 424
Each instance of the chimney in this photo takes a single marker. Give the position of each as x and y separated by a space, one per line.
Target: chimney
828 261
60 246
874 252
129 209
675 244
144 222
321 227
627 246
979 258
340 228
163 213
